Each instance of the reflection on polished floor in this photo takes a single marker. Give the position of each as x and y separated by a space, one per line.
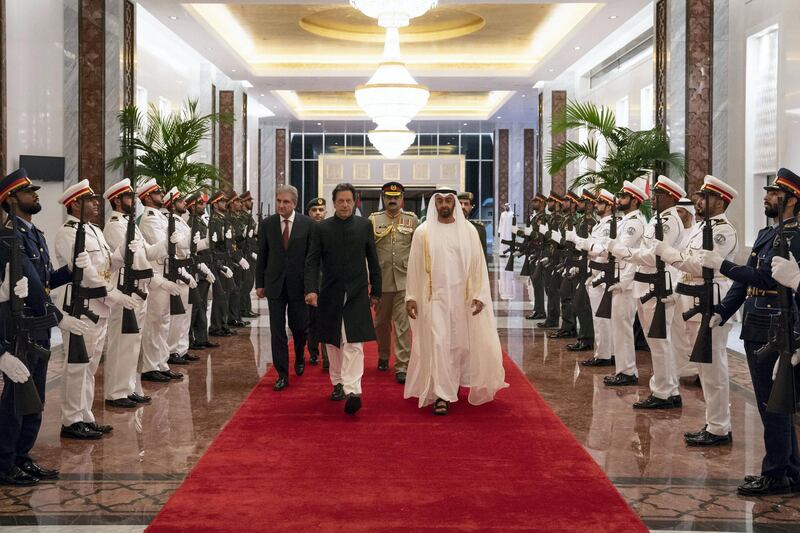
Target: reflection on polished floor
118 484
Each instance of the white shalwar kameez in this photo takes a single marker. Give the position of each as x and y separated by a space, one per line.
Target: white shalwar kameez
450 346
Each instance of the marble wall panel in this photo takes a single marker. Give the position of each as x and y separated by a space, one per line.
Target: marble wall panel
539 153
113 84
92 107
528 165
516 170
676 80
280 156
559 105
71 92
244 141
502 169
215 128
699 63
721 48
660 63
3 112
267 151
226 140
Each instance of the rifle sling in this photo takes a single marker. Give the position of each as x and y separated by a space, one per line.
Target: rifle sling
91 293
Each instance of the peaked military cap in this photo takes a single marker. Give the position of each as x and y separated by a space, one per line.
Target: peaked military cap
393 188
15 182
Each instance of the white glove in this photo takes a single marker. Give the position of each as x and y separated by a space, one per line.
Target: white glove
795 360
715 321
135 245
556 236
227 272
545 261
786 271
570 235
250 234
175 238
610 243
253 256
228 234
573 271
527 231
668 254
542 229
118 297
203 268
214 237
189 278
171 287
20 288
711 259
244 264
202 244
83 261
15 369
73 325
618 250
616 288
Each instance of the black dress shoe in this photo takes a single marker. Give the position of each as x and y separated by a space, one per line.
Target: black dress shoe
704 438
536 316
545 325
620 380
139 398
237 323
250 314
353 404
580 346
34 470
281 384
16 477
196 346
216 334
228 333
189 357
764 486
79 431
299 368
688 434
94 426
563 335
313 359
172 375
210 344
383 365
594 361
338 393
175 359
400 377
154 375
124 403
654 402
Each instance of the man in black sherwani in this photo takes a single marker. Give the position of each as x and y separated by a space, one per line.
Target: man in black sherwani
340 247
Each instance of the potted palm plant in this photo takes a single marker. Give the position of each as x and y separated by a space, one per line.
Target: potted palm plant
630 153
163 146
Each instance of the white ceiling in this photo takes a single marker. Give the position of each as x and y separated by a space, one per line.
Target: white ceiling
522 106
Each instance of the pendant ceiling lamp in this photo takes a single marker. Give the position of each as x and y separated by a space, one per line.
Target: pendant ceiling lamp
392 97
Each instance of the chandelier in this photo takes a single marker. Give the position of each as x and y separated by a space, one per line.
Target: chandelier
392 97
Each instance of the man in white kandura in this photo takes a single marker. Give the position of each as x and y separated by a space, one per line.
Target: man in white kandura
454 333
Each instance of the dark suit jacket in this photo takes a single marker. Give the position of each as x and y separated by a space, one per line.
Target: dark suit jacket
277 267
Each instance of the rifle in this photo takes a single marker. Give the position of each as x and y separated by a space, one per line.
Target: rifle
260 213
658 288
783 396
128 277
26 397
171 264
610 276
77 305
194 294
512 251
703 296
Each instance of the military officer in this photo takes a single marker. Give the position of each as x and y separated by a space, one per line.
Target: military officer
393 230
221 237
18 433
198 338
717 196
250 247
566 289
549 261
121 384
754 285
239 264
535 243
155 330
623 311
580 302
467 201
682 338
316 209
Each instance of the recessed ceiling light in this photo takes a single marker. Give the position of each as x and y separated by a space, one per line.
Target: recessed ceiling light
319 123
233 70
262 94
523 96
549 70
465 123
612 17
499 117
577 48
173 17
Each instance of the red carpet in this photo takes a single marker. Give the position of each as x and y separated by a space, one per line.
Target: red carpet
294 461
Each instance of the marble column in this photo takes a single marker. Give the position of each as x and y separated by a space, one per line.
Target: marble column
3 116
281 146
661 52
539 163
502 169
128 66
226 141
675 85
114 84
527 165
699 62
215 128
91 89
244 141
559 105
269 155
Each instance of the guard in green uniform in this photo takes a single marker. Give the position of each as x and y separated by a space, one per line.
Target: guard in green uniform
467 201
535 248
393 230
249 252
224 285
238 263
198 332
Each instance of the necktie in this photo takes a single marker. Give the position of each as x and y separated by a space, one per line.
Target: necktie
285 233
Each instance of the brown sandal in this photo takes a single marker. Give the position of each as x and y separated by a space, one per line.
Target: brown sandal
440 407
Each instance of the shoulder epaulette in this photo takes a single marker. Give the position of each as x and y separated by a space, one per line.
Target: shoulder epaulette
70 224
477 223
151 213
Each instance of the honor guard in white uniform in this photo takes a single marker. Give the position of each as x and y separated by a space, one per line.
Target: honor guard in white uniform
630 230
595 245
121 386
681 335
77 419
155 330
664 391
714 375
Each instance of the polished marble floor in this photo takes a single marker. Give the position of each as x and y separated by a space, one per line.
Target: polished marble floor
117 484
